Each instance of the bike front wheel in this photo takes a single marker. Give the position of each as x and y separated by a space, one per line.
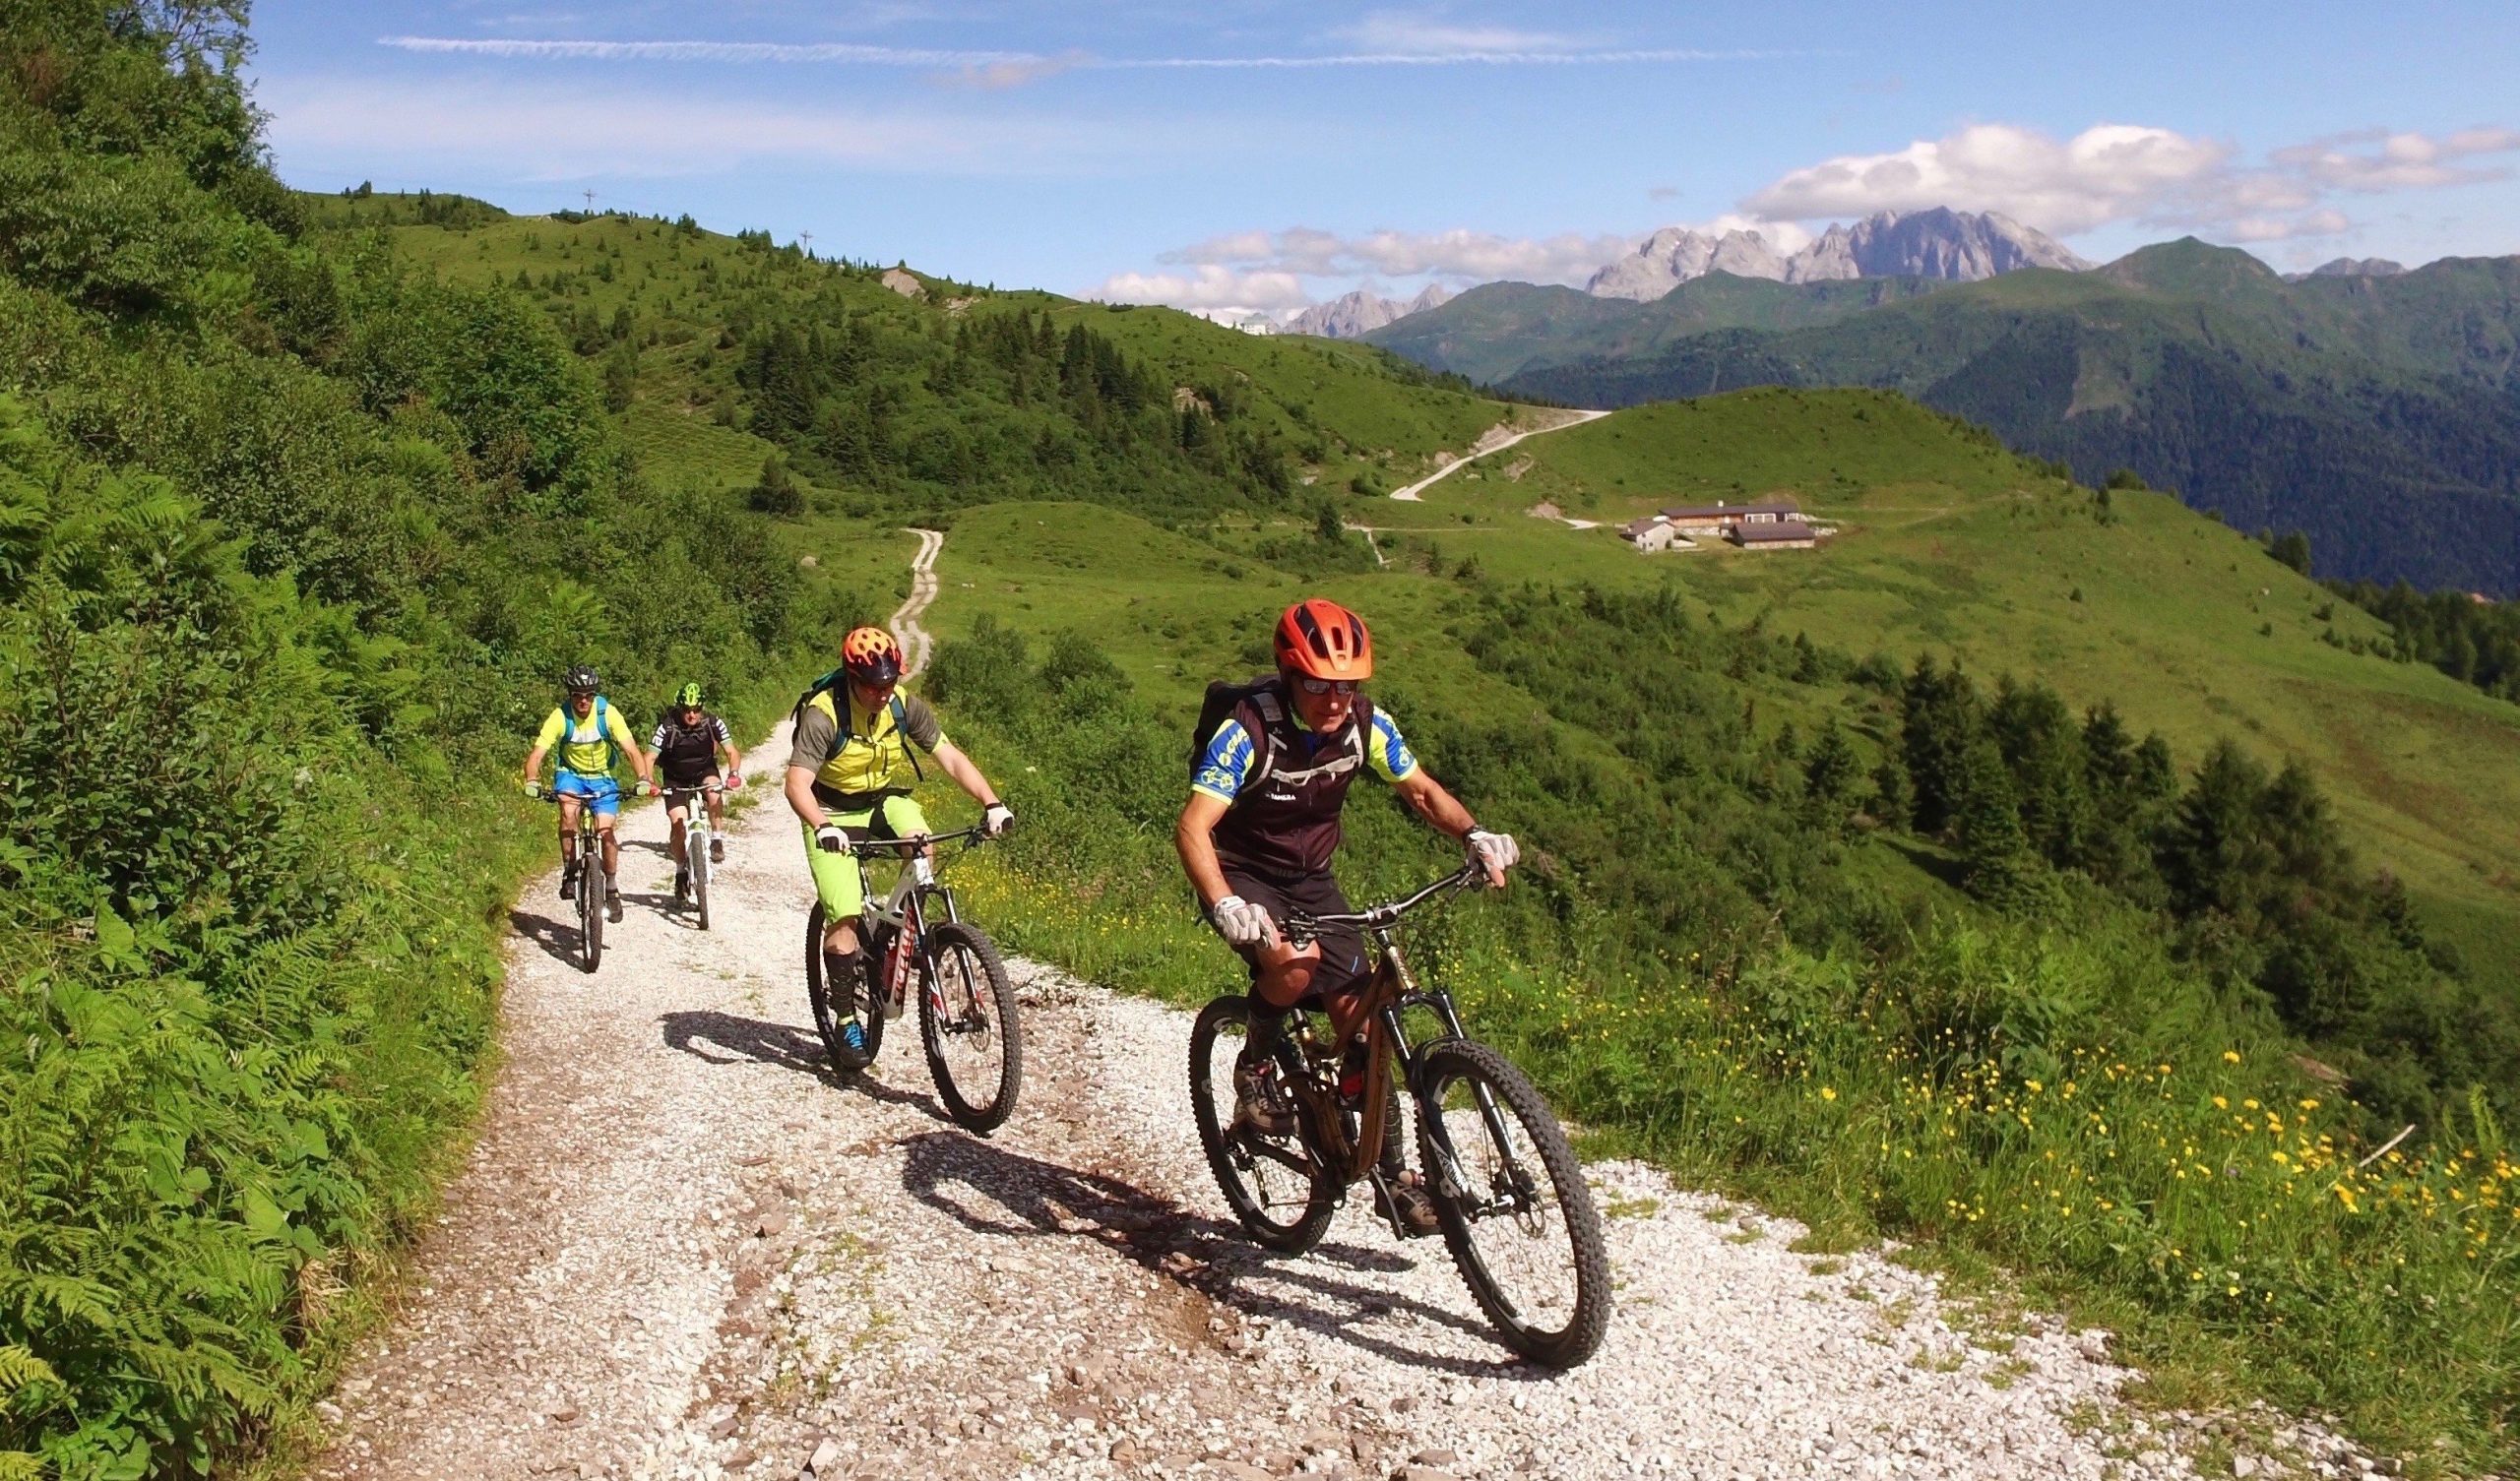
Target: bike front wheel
696 846
1513 1205
1275 1186
837 1004
968 1017
591 904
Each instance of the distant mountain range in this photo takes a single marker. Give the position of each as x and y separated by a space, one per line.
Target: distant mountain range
2378 410
1351 315
1954 246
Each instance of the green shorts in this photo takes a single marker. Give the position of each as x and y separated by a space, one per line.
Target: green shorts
838 881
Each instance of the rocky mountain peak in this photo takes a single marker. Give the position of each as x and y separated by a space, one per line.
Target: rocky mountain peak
1352 314
1942 243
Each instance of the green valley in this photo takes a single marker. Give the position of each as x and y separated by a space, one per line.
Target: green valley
2378 416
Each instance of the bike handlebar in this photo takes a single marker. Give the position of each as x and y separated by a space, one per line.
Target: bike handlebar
975 833
1300 926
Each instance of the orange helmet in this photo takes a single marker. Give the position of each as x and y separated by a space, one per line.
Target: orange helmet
872 657
1321 640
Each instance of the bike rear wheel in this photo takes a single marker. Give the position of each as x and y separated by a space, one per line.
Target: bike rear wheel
1275 1186
968 1017
838 1004
1513 1205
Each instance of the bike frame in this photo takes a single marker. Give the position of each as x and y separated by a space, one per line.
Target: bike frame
1381 1003
905 907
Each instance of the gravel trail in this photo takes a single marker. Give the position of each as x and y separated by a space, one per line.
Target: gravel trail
682 1247
915 641
1494 439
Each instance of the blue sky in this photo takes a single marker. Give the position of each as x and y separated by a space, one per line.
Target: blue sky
1248 154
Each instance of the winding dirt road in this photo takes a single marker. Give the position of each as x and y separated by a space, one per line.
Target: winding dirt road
1490 442
915 641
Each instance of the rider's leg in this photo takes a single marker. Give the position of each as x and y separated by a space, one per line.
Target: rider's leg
717 804
843 893
569 875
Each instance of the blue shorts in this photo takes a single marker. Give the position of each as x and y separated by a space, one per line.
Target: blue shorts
602 793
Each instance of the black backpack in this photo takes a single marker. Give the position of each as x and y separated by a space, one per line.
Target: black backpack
1223 698
830 684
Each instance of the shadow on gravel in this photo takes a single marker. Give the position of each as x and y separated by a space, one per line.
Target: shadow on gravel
990 1190
557 939
722 1038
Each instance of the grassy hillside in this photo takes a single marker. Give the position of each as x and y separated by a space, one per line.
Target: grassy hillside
678 317
1951 545
2378 415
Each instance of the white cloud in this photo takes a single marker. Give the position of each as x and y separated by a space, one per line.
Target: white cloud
379 127
2130 172
1208 287
521 48
2374 161
2099 175
1459 254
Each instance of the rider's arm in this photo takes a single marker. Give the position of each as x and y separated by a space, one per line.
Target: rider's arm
800 795
1195 836
809 750
965 775
534 762
627 739
726 743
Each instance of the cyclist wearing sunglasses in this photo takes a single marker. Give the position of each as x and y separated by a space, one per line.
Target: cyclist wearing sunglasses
1262 822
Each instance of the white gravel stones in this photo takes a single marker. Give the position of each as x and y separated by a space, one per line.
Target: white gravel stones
682 1249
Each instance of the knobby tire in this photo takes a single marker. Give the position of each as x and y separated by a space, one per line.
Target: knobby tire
1234 1163
1578 1224
972 979
697 847
836 1004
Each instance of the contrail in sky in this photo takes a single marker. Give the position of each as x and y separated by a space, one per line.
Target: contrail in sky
903 56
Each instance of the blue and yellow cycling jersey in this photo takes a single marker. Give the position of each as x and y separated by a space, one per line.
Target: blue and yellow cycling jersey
592 742
1225 770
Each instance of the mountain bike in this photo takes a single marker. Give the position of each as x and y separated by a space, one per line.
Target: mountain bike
966 1014
691 879
590 882
1509 1196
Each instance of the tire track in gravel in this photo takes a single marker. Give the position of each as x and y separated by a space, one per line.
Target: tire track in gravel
682 1247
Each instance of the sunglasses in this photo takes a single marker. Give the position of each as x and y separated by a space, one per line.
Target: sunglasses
1328 686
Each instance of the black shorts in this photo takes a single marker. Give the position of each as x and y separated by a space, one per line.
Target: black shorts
1343 953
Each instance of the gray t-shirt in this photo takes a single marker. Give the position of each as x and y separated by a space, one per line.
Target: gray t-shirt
818 740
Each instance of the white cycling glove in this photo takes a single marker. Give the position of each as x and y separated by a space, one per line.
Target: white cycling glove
996 819
1242 923
1497 851
830 839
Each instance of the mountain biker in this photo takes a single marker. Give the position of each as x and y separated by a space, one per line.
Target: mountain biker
592 736
1262 822
849 776
686 744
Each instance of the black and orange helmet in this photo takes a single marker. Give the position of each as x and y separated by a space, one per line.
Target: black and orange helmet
1318 639
870 656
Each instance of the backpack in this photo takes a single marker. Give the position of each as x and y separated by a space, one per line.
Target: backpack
603 732
830 684
1266 694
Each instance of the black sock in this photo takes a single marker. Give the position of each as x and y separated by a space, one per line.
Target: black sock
1267 1026
840 968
